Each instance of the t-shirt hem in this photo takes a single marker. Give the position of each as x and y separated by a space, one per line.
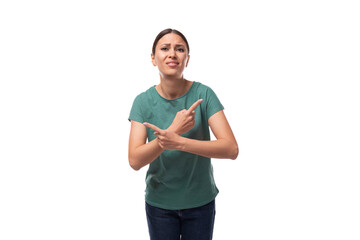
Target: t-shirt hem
182 207
135 119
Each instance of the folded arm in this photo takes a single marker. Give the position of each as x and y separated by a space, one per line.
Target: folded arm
225 145
142 153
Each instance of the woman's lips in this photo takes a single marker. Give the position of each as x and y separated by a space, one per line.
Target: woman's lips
172 64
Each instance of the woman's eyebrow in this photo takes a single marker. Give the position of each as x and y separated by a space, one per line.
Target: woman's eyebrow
177 45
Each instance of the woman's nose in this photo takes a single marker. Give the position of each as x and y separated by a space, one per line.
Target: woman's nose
172 52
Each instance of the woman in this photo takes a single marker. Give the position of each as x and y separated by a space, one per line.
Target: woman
175 116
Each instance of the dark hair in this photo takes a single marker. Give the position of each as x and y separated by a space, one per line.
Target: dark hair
167 31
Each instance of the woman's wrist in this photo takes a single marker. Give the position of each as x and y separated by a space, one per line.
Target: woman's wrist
173 129
182 143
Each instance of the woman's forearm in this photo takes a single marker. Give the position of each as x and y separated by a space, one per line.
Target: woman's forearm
144 154
220 148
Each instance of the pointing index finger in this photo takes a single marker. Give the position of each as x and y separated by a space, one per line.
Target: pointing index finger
153 127
197 103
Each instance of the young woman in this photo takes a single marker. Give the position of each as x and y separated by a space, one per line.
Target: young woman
175 116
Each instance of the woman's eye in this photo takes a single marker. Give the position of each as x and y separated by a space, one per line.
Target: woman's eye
181 50
164 49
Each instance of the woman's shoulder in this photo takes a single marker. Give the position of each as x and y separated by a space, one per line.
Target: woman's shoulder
145 93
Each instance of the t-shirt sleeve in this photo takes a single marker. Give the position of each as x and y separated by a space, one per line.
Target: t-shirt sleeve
213 103
136 112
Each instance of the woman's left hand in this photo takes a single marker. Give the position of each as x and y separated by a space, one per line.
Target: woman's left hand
184 120
167 139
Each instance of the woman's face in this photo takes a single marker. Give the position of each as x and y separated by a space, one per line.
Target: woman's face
171 55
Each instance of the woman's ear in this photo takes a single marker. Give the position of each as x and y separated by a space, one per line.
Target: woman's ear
153 59
187 61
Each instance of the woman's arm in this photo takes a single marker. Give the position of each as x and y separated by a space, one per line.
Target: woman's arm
140 152
225 145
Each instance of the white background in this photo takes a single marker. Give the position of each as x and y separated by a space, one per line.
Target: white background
287 73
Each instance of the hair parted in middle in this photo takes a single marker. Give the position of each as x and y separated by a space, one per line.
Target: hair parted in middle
167 31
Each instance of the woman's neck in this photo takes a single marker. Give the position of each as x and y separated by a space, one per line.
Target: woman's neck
171 88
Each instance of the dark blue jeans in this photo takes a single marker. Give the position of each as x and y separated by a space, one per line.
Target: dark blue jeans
190 224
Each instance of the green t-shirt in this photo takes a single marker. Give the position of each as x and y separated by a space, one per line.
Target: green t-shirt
176 179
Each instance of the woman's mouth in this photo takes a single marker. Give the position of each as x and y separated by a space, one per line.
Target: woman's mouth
172 64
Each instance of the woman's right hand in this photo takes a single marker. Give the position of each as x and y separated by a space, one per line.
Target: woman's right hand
184 120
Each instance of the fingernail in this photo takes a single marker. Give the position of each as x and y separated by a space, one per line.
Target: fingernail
144 123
